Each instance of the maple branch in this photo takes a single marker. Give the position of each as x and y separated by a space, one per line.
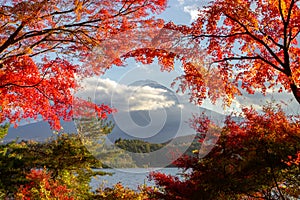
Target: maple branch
40 52
65 28
35 86
123 6
49 33
58 13
286 42
237 58
30 55
290 38
62 40
3 25
290 11
270 63
87 36
134 9
249 58
124 12
280 11
11 39
270 38
83 42
25 86
45 95
275 181
4 12
293 37
39 42
217 36
85 23
42 32
10 52
296 91
17 85
256 39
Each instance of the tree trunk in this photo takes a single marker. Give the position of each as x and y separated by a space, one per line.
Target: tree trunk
296 91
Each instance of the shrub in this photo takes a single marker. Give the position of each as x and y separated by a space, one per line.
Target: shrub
41 186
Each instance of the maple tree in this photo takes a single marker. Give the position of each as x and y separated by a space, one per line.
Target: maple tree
233 46
250 160
44 45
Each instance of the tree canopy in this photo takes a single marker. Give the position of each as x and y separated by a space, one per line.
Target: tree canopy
44 45
234 46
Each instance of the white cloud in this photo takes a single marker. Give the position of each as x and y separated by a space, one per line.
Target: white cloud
193 11
124 97
258 100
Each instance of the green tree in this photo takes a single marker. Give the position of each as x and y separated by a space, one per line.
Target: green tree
3 130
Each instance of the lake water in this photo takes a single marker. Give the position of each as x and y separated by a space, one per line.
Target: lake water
129 177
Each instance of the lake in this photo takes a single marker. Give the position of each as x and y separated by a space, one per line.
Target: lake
129 177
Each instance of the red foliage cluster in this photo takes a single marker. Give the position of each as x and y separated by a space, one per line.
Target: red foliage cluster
295 161
29 90
42 186
44 44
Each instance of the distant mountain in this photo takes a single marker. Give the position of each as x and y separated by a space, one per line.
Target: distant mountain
155 126
39 131
146 126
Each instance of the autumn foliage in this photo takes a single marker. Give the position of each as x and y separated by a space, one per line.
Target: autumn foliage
249 160
233 46
118 192
44 45
42 186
